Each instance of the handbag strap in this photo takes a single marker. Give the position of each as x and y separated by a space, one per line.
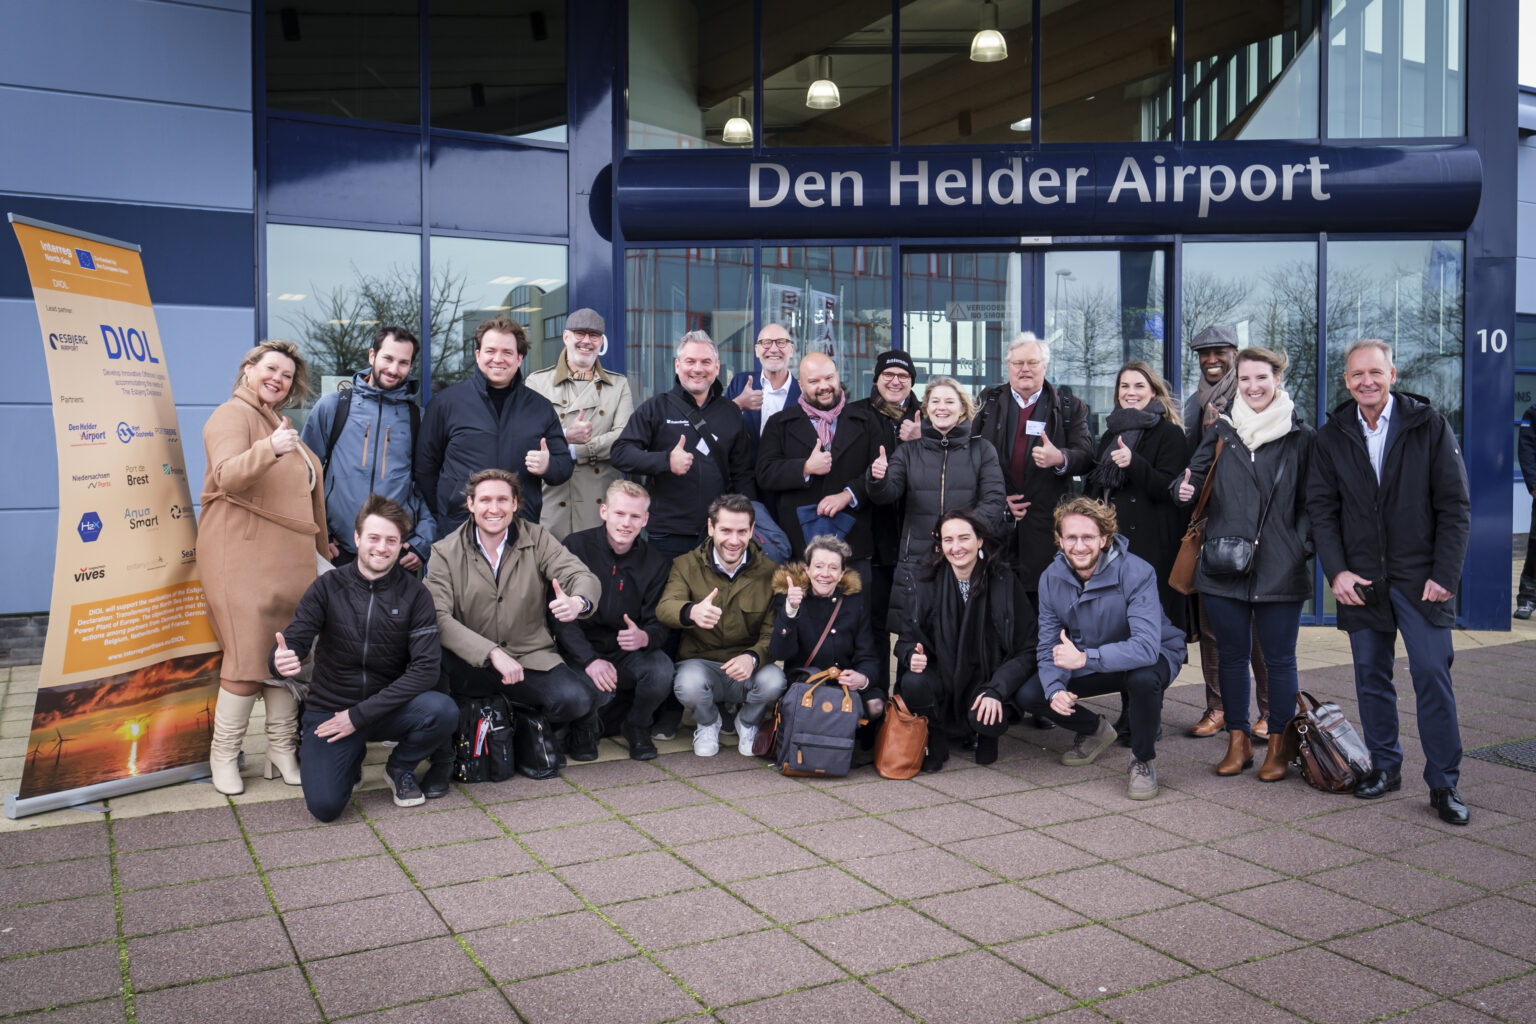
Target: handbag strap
837 606
1210 474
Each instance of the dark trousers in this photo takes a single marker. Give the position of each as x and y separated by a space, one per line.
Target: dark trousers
925 694
1429 664
328 768
1275 623
674 544
561 694
649 674
1210 665
1528 573
881 579
1143 688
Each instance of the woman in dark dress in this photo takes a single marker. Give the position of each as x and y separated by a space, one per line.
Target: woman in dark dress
810 593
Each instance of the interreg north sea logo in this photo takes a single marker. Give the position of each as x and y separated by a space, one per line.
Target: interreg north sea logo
85 259
89 527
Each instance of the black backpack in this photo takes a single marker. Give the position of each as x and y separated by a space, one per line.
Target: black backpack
483 744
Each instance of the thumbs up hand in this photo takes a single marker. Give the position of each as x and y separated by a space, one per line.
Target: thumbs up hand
750 397
879 466
1066 655
580 430
286 661
819 463
565 607
632 637
912 429
1120 455
1047 455
793 596
285 439
680 459
1186 490
537 461
706 614
919 661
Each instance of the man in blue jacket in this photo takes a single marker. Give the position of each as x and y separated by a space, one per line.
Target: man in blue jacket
374 424
490 420
1102 630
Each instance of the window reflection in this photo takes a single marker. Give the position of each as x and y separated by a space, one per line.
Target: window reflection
1251 71
835 300
689 67
847 44
1395 68
673 291
498 67
476 279
961 309
1106 71
946 97
342 59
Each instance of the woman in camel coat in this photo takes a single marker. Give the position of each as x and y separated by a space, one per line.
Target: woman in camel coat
262 526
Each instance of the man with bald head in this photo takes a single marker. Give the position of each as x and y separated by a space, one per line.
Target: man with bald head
814 455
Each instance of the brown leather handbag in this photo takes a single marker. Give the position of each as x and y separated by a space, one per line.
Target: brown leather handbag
903 738
1325 747
1182 576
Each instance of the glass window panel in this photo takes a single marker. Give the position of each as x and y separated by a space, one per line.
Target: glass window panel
343 59
946 97
498 67
1106 71
673 291
828 306
1525 341
1525 394
1409 294
1396 68
1250 70
329 290
476 279
961 309
1102 309
1267 293
848 44
690 71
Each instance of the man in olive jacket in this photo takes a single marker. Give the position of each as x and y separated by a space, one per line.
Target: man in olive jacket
720 595
1391 517
491 580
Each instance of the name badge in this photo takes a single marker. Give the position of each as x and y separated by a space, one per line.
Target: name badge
703 447
1034 428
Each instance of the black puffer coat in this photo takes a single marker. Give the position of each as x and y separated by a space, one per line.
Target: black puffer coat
1145 512
379 642
1245 484
850 642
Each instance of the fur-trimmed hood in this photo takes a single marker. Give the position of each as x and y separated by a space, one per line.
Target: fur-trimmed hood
801 574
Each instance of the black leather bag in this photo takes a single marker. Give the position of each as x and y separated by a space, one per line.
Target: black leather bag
484 740
538 757
1227 556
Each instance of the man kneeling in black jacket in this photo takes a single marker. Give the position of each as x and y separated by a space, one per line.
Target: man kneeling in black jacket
375 672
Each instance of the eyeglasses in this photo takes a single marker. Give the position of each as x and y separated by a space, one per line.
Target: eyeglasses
1031 363
895 376
775 343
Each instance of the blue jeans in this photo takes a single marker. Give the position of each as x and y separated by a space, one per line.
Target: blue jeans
1236 623
328 769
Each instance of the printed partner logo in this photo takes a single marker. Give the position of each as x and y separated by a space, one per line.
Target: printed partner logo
91 572
67 342
126 433
181 511
141 518
136 476
89 527
84 259
88 432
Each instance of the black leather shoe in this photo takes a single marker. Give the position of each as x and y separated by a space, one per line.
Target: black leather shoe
1449 803
1378 784
437 781
581 743
639 739
1041 722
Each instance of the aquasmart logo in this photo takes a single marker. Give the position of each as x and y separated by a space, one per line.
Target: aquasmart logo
89 527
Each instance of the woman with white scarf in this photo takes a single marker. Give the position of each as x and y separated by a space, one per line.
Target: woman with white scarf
1254 573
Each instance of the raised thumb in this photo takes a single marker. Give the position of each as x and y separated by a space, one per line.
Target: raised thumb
682 442
558 591
749 382
629 623
882 451
543 444
282 644
1186 476
287 424
917 416
919 649
1120 440
710 599
580 415
1066 639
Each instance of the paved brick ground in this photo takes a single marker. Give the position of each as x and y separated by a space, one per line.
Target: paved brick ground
713 889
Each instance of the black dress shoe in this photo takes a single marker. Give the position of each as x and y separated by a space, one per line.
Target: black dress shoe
1378 784
986 749
639 739
437 781
1453 811
1041 722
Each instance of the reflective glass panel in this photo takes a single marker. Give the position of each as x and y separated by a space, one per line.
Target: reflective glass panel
1250 70
673 291
476 279
1396 68
1525 394
961 309
498 67
840 52
344 59
1106 71
690 71
948 97
835 300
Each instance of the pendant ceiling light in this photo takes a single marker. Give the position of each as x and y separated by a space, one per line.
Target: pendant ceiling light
823 94
988 45
738 130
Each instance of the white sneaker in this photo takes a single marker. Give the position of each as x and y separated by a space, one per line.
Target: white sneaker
746 735
706 739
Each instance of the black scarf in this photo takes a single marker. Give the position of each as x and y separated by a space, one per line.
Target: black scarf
1129 424
972 635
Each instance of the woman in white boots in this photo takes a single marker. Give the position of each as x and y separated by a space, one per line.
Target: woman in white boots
263 524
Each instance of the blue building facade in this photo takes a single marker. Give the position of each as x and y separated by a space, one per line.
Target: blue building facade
1116 176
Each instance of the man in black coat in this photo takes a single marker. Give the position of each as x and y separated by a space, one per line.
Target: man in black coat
621 645
490 420
1525 601
1390 517
689 445
375 671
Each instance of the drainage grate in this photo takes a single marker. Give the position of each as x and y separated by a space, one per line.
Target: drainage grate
1516 755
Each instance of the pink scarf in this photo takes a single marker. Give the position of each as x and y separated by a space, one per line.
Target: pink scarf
824 419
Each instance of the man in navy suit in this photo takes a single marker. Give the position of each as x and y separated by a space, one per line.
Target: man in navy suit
762 395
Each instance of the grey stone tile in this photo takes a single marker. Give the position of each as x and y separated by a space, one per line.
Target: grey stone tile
918 873
336 882
1199 820
889 795
730 860
1205 936
694 824
379 804
213 951
843 1002
760 781
1105 891
975 988
1282 803
1369 828
393 975
1201 999
281 996
951 823
516 951
107 1011
1108 791
695 916
794 896
31 983
486 1006
1504 924
35 883
182 828
1301 909
1450 1012
1519 837
998 913
1113 837
1338 991
1202 871
688 765
652 796
531 815
1092 962
971 782
1038 808
630 991
748 967
857 837
286 815
362 924
1396 887
606 774
502 900
1290 852
52 844
412 831
876 940
632 877
467 862
312 846
58 925
578 843
801 807
1513 1001
1473 862
185 906
1023 854
217 859
1434 959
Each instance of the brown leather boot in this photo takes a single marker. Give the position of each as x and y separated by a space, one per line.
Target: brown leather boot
1239 754
1210 724
1273 768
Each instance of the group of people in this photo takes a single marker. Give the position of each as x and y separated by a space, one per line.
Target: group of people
603 563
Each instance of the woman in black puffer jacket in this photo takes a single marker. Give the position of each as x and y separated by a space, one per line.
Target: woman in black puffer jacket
809 593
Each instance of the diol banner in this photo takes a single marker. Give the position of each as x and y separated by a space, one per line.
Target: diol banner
130 663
